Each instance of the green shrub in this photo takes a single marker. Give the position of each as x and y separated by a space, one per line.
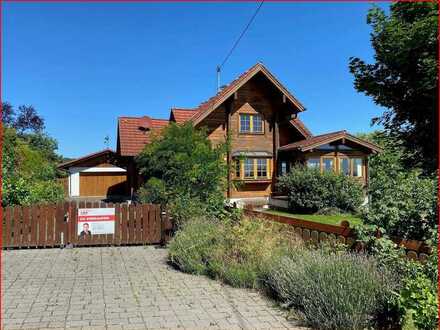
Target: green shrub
18 191
153 191
309 190
402 200
29 169
419 302
185 171
330 291
238 253
194 245
404 204
250 245
415 301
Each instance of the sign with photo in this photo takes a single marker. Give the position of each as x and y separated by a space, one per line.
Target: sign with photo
96 221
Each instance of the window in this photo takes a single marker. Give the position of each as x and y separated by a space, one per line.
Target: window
327 164
344 166
313 163
257 124
357 167
248 168
252 168
251 123
262 168
347 166
283 169
245 123
237 168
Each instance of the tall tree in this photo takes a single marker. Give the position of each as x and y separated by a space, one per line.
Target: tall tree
29 170
404 77
8 114
28 120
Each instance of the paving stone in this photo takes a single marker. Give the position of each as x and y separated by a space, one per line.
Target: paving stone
121 288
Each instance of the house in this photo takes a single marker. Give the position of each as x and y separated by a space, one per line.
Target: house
267 136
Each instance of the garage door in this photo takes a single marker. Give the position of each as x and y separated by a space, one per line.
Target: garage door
102 184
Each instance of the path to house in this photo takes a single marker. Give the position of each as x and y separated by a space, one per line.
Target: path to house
122 288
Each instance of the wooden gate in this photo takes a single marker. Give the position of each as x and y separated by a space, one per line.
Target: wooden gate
53 225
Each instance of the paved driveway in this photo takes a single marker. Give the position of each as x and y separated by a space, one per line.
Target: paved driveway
122 288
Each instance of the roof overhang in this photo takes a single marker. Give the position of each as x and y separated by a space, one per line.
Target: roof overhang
243 80
251 154
316 141
78 161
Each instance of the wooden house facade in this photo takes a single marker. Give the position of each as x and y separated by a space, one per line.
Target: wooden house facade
261 118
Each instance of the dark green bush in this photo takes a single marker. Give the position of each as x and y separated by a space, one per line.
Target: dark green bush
418 300
29 168
415 303
153 191
331 291
403 203
309 190
18 191
183 170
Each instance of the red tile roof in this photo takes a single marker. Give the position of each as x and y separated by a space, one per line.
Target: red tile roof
135 132
181 115
319 140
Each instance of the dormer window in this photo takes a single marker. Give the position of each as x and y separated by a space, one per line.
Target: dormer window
251 123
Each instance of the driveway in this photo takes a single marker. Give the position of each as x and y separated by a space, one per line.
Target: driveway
122 288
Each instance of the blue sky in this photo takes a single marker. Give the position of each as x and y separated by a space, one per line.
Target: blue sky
84 64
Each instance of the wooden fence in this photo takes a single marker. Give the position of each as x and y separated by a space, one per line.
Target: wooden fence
319 232
53 225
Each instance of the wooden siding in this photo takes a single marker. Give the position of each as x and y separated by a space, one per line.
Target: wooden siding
245 189
258 96
255 97
102 184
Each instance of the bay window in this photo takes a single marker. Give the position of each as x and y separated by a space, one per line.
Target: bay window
262 168
248 168
252 169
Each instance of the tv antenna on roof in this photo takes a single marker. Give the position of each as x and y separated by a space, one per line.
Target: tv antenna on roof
219 67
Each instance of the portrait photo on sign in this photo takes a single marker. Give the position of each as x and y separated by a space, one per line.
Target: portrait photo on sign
96 221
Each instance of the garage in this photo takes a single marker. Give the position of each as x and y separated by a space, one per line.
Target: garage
96 175
102 184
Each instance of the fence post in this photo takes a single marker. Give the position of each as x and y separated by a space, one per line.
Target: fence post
163 214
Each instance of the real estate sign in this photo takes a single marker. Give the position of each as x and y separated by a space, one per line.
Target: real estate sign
96 221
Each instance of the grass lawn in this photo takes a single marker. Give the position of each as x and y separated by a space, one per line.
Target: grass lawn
327 219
